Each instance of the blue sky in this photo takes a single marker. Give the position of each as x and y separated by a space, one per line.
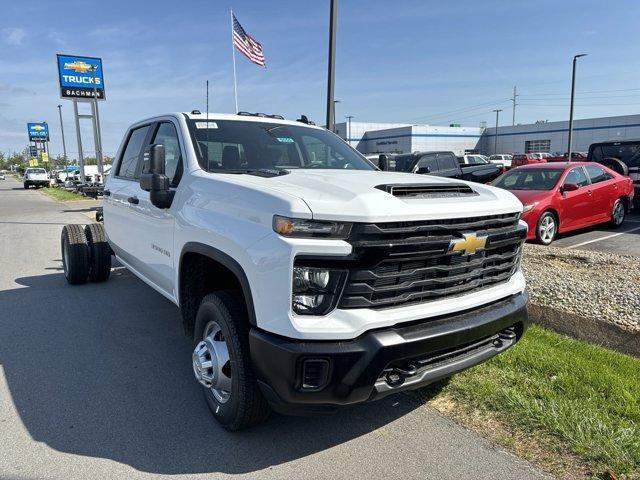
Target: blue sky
402 61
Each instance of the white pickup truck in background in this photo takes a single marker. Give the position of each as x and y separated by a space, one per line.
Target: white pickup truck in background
308 279
36 177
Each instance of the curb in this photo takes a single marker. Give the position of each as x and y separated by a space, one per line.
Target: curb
592 330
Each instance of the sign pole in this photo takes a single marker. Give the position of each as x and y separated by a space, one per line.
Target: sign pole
79 137
96 124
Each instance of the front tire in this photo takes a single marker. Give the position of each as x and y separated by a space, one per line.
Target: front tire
222 362
618 213
546 228
75 254
26 186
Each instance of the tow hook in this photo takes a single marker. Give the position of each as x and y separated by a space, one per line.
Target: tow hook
396 376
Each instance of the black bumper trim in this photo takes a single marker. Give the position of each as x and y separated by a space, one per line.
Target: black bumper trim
356 365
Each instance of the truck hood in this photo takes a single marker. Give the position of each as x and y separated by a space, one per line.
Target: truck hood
351 195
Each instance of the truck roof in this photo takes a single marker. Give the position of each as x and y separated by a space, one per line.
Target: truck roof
243 118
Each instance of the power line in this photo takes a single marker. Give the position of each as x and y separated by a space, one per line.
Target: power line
461 110
581 93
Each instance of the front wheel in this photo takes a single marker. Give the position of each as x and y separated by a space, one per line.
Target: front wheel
26 186
618 213
546 228
222 363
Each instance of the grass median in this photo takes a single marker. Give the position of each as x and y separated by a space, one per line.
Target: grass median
572 408
62 195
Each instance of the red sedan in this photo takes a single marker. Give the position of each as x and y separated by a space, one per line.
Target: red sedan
563 196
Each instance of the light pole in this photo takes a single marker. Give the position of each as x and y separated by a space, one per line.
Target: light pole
495 140
349 117
333 16
573 91
333 116
64 145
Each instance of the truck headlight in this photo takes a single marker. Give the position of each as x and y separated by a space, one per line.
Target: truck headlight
305 228
315 290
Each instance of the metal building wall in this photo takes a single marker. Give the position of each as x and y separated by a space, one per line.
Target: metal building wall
585 132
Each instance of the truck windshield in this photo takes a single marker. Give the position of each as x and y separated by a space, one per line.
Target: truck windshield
238 146
629 153
529 179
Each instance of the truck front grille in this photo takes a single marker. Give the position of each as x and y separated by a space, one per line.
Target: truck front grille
403 263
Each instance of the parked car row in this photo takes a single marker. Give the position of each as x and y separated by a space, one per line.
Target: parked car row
563 196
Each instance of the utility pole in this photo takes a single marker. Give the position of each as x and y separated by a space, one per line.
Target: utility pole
333 16
515 95
349 117
495 140
64 145
573 92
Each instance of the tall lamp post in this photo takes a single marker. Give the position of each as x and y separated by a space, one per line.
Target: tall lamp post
495 139
64 145
333 116
349 117
573 92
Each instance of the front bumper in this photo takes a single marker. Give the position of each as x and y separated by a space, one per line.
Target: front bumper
318 376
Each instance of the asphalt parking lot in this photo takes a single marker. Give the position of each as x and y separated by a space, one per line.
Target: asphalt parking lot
96 382
602 238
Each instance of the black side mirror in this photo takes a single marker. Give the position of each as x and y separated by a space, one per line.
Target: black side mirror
153 179
423 170
383 162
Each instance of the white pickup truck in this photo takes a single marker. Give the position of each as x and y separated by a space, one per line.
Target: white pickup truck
308 279
35 176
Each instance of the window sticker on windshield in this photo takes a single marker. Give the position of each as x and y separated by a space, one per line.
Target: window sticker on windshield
204 125
285 139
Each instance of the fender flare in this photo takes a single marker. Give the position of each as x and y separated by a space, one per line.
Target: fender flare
229 263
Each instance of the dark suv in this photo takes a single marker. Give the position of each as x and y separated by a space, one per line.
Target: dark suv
622 157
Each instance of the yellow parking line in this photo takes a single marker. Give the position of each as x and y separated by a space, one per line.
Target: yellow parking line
603 238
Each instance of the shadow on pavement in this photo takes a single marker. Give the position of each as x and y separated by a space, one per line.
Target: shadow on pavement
103 370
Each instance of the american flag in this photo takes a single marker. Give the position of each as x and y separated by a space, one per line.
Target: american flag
246 44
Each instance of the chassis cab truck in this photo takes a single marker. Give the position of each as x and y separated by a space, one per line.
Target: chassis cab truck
307 278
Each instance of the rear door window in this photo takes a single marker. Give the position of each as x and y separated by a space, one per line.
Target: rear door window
597 174
427 161
128 167
447 161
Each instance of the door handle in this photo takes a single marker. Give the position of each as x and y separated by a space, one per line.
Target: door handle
589 192
133 200
106 193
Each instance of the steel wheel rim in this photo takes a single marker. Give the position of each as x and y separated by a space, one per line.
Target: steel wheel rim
212 364
618 213
547 229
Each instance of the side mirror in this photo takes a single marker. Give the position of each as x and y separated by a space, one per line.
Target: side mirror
569 187
153 179
383 162
423 170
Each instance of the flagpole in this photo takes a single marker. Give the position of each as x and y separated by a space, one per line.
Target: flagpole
233 52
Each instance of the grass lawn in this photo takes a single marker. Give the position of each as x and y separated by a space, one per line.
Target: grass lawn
62 195
573 406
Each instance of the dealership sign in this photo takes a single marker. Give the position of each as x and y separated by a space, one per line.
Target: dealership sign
38 132
80 77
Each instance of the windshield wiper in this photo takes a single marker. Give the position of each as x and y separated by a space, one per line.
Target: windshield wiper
260 172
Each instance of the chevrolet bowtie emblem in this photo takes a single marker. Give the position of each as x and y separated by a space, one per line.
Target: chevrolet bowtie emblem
468 245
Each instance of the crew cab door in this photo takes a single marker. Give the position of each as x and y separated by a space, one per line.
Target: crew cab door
119 191
152 228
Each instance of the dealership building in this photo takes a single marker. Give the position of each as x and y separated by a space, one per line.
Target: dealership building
371 138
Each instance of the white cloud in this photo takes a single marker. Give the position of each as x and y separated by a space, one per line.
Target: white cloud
14 36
